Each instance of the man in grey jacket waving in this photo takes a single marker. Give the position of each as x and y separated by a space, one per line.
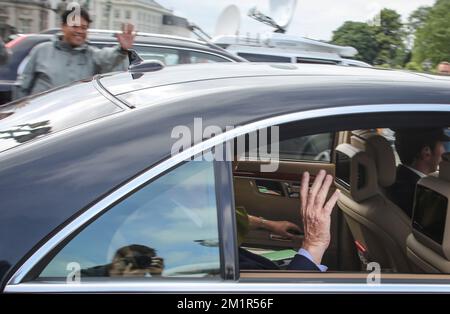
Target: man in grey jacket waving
68 58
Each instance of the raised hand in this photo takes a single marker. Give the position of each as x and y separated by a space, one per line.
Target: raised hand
126 39
316 213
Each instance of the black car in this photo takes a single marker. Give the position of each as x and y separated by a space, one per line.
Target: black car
170 50
129 182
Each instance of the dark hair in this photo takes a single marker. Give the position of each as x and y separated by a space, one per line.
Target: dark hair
134 249
83 13
410 142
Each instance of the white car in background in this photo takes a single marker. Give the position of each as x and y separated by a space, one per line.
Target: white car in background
276 47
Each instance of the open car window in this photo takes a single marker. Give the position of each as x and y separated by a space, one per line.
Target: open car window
368 224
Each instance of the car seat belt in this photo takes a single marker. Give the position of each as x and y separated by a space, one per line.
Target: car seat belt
363 253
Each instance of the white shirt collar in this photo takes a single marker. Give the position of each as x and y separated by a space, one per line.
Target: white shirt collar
419 173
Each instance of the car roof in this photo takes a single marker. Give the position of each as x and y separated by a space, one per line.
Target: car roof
125 83
62 174
112 33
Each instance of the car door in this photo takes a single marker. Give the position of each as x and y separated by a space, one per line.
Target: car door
131 204
163 230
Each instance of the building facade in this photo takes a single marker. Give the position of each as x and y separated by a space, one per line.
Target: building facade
147 15
20 16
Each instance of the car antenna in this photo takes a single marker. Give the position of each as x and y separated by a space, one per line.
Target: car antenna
139 65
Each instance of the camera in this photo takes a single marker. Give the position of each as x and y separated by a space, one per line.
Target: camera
138 262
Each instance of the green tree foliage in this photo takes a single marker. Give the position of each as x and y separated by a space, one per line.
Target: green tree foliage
379 42
418 18
389 36
412 66
358 35
415 21
432 40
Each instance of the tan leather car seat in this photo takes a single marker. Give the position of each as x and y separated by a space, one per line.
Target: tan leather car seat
378 226
428 246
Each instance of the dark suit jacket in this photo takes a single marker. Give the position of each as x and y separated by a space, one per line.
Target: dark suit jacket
249 260
402 191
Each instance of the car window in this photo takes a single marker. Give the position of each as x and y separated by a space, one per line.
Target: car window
389 135
166 55
166 229
316 61
171 56
199 57
316 147
252 57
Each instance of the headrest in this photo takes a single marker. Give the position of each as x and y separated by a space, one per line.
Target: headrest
356 173
431 218
444 167
380 150
359 137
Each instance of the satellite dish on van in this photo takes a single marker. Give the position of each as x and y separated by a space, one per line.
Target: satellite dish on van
282 11
229 21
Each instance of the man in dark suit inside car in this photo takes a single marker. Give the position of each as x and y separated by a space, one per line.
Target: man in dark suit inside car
420 151
316 214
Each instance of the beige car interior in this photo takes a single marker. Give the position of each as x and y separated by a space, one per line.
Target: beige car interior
428 255
377 224
366 225
275 196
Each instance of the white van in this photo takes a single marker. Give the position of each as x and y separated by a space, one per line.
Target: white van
277 47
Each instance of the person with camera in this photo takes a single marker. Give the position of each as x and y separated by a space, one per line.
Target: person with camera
129 261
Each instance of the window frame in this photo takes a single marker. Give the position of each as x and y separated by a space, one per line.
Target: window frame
332 138
323 282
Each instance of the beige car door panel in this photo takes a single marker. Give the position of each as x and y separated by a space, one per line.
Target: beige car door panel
275 196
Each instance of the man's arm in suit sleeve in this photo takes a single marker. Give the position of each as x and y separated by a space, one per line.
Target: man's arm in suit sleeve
304 261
